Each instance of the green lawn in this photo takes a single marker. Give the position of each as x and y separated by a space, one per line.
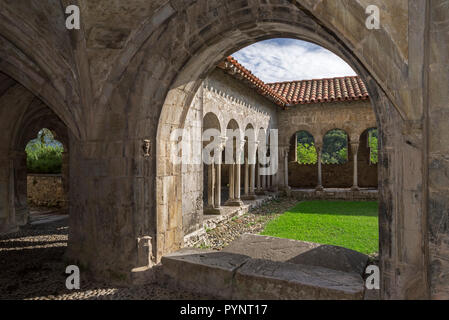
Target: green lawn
352 225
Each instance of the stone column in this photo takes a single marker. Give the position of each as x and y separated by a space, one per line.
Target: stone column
7 206
217 202
250 178
287 187
238 175
354 150
65 178
252 181
234 176
20 178
246 183
252 185
210 185
231 182
214 206
319 186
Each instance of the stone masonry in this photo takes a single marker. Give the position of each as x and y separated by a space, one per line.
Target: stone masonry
115 90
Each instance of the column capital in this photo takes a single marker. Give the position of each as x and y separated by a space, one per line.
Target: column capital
354 146
222 144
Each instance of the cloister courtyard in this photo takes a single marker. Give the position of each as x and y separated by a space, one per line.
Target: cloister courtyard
209 149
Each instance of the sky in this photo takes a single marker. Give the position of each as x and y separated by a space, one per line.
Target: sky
278 60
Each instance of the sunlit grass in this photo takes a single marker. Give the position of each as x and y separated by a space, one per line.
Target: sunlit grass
352 225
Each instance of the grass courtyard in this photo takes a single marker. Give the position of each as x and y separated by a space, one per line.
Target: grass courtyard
352 225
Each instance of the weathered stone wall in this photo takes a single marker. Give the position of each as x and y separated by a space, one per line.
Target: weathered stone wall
114 88
336 175
46 190
227 99
353 117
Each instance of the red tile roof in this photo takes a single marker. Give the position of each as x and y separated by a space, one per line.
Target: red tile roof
300 92
240 72
321 90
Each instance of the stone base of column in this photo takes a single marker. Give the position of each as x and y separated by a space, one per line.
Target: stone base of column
234 203
288 191
22 216
355 188
249 197
213 211
319 188
261 192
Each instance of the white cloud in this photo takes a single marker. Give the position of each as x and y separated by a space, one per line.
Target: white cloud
279 60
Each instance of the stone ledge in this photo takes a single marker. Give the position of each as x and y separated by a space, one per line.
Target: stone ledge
233 276
266 280
299 252
202 271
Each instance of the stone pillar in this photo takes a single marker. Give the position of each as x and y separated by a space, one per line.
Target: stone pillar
20 181
354 150
217 203
238 166
231 182
210 185
319 186
246 183
65 178
7 206
253 181
287 187
214 206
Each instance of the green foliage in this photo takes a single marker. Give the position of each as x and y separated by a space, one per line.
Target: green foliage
352 225
44 154
306 154
335 147
373 145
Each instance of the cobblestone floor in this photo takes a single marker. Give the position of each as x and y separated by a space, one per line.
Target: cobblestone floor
252 222
32 267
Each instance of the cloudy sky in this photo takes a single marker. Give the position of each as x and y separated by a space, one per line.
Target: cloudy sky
278 60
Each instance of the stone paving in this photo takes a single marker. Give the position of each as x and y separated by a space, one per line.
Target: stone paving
32 267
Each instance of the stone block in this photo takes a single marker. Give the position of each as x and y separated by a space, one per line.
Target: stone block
202 271
266 280
299 252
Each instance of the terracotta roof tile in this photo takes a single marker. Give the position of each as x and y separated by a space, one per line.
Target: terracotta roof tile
321 90
303 91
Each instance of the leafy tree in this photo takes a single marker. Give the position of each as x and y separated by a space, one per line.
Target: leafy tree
373 145
335 147
44 154
306 152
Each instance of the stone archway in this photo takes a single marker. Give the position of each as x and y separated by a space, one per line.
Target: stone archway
392 233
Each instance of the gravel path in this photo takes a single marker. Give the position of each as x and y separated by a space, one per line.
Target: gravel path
32 267
253 222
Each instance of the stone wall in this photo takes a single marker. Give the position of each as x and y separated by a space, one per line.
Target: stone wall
115 88
336 175
353 117
46 190
228 99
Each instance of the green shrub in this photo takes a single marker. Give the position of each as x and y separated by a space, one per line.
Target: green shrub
306 153
44 154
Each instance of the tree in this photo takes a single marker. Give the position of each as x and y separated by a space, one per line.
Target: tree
44 154
373 145
306 153
335 147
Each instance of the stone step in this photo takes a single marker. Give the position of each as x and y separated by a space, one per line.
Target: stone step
229 275
299 252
